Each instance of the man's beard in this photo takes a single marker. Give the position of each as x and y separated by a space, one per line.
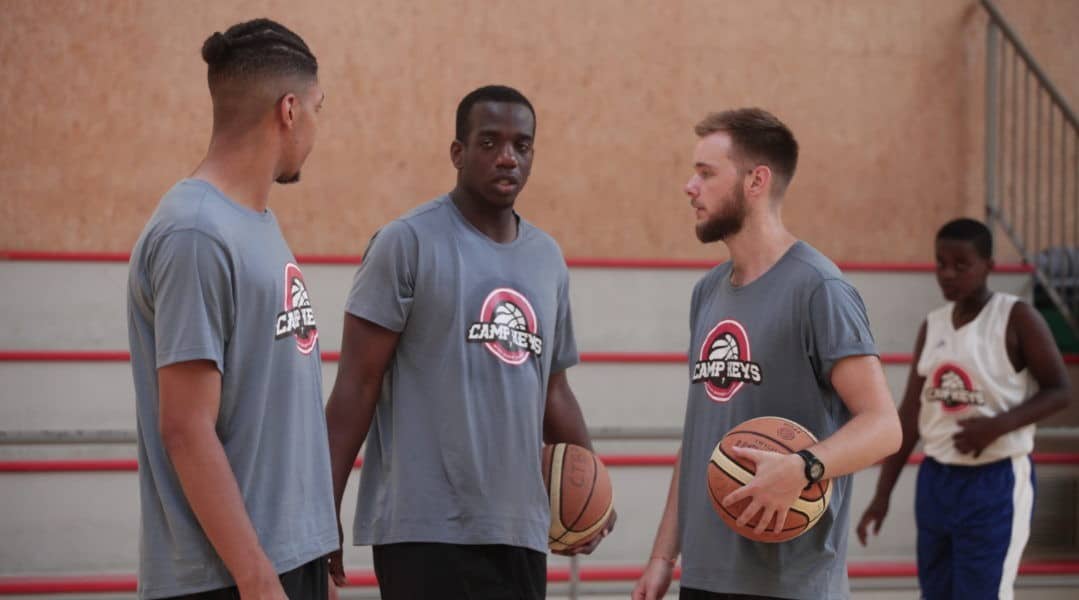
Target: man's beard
293 178
728 222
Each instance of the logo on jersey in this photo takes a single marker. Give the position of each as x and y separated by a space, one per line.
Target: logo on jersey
507 327
723 363
298 318
952 387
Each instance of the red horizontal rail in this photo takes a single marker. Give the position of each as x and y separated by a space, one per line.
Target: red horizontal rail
888 358
581 262
611 460
75 584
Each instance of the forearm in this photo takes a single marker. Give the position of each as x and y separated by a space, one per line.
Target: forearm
211 490
562 420
893 466
873 431
348 420
1037 407
667 544
569 429
867 438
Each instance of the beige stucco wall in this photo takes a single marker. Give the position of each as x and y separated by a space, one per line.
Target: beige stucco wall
106 107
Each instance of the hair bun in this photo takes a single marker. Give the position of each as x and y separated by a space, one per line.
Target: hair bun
216 48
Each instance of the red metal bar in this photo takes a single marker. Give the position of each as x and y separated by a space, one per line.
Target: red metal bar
75 584
611 460
888 358
634 357
581 262
64 356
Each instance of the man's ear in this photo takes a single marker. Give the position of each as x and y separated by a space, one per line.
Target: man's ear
286 109
456 151
760 180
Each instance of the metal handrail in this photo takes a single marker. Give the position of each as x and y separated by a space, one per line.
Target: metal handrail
998 19
1015 199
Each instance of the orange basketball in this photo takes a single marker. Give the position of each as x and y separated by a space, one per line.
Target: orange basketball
579 490
727 472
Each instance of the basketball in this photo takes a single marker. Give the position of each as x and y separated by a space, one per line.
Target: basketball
579 490
727 472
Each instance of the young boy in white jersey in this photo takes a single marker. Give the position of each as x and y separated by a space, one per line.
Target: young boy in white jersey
985 370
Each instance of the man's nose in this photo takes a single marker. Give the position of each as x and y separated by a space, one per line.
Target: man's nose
507 157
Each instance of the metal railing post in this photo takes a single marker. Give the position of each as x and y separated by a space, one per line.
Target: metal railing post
991 115
574 576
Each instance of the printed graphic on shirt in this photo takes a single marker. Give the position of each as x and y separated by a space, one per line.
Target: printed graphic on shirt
298 318
507 327
953 388
724 364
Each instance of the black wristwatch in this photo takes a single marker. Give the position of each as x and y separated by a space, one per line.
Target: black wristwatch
814 469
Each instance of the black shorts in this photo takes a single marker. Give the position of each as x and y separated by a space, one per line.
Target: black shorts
692 594
305 582
474 572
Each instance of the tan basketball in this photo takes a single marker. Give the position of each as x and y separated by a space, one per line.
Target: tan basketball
727 472
579 490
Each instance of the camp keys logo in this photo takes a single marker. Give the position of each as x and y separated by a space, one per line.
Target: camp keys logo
723 363
952 387
298 318
507 327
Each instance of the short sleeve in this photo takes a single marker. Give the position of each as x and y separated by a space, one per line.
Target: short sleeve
564 350
383 287
838 327
194 311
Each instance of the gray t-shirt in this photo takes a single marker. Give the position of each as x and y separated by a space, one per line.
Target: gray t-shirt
210 279
453 454
780 336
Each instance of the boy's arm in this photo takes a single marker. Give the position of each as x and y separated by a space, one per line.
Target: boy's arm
909 411
1040 355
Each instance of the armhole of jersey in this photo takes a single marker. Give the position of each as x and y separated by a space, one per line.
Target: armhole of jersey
931 326
1010 301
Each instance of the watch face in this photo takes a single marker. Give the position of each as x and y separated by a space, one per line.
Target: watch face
817 469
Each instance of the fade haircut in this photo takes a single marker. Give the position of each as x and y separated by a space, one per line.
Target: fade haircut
969 230
488 93
243 61
757 137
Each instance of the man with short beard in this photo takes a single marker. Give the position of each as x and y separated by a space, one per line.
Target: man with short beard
796 339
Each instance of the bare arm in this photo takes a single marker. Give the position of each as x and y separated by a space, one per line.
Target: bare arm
562 418
909 411
563 422
190 397
366 351
657 574
872 433
1034 346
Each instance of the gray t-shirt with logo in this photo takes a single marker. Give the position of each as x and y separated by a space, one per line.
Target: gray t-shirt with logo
453 454
777 339
212 280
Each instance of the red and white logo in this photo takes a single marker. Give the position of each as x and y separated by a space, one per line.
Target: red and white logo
953 388
298 318
507 327
723 363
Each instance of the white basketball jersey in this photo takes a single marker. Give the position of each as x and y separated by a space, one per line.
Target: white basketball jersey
968 374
